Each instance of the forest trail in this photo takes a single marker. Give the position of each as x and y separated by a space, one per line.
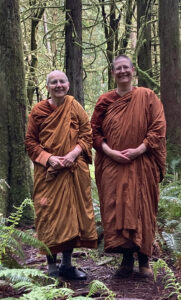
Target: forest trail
132 288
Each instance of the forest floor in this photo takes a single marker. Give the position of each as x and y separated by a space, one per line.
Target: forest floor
102 268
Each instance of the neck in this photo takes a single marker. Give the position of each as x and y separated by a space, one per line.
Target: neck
122 90
56 101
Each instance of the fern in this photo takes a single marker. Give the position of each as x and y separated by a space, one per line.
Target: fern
170 280
169 214
96 286
21 275
80 298
11 239
48 292
31 281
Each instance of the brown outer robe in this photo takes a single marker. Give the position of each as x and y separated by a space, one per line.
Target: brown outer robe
63 205
129 193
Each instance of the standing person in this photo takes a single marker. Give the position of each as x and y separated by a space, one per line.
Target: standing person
59 141
129 135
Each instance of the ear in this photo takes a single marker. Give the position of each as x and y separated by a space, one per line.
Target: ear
134 71
112 73
68 86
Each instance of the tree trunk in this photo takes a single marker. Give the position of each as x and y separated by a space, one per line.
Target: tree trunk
111 24
144 54
131 4
13 160
47 42
32 82
170 73
73 48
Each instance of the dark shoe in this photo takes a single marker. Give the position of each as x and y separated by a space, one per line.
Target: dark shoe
123 272
72 273
54 274
144 267
127 264
145 271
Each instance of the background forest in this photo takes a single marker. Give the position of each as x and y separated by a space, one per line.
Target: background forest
82 38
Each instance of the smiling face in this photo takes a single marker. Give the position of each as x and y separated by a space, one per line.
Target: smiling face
122 71
57 85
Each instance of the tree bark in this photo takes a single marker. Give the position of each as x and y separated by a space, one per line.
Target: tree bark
170 73
73 48
32 82
144 55
131 4
14 166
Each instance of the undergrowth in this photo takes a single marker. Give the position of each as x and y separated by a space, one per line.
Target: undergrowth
12 239
169 215
170 282
34 284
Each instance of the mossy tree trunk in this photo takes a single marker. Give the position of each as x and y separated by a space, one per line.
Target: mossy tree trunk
111 25
131 5
170 73
144 54
36 14
13 160
73 48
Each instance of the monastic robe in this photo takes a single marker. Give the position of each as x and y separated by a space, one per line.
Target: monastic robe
62 200
129 193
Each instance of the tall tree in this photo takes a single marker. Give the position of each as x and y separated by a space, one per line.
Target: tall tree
36 16
111 24
13 160
130 10
170 73
73 48
144 54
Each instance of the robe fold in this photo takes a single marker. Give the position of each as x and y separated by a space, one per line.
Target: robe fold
129 193
62 199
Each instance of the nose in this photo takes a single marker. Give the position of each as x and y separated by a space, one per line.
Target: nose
58 83
122 69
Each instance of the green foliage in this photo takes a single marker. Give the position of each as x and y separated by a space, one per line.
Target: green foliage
36 286
169 213
169 278
11 239
21 276
49 292
97 286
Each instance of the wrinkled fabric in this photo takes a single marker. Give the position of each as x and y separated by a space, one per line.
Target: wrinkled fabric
62 199
129 193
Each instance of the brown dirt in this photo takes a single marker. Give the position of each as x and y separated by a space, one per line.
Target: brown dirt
134 287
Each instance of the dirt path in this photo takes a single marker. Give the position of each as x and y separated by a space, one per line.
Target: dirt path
133 287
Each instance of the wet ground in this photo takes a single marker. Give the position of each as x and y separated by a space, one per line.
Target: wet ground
103 269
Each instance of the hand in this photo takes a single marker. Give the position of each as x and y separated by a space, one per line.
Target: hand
119 157
69 158
56 162
133 153
115 154
130 153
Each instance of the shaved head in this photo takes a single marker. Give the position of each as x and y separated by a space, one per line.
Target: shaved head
54 73
119 57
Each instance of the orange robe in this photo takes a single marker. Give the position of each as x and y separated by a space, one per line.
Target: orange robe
62 201
129 193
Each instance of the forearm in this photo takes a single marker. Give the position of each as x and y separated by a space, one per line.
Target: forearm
141 149
106 149
76 151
